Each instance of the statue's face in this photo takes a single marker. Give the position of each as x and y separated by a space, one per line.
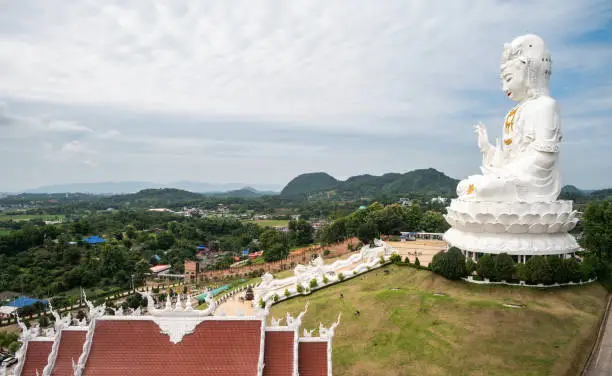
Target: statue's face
514 79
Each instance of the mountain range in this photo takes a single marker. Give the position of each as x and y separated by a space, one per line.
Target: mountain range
136 186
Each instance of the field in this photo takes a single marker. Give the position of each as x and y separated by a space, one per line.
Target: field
403 328
28 217
271 222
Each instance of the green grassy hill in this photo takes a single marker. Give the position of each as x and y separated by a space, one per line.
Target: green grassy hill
404 329
424 181
308 183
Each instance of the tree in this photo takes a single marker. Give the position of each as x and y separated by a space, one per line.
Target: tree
433 221
130 231
504 267
165 240
301 232
367 232
275 245
597 225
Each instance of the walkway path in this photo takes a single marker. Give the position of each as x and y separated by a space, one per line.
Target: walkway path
601 364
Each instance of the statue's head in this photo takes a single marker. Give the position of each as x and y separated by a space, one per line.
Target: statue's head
525 68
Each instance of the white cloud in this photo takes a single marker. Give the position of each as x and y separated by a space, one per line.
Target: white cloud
407 69
66 126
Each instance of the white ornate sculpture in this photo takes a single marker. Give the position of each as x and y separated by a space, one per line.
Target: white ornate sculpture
275 322
327 333
512 206
316 269
524 167
308 333
380 249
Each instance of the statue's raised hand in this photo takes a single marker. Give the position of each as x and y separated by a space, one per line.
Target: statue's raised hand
483 138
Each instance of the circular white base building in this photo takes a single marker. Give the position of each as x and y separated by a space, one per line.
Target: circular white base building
519 229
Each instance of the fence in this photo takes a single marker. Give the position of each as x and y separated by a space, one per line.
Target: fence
61 310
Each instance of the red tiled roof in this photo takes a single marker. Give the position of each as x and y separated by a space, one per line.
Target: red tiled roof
36 357
70 347
137 348
312 358
278 354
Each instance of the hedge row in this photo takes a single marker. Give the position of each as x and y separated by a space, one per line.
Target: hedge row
452 264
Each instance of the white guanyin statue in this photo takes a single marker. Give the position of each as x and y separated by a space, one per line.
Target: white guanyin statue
524 165
512 206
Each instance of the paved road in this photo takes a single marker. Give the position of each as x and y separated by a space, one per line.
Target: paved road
602 363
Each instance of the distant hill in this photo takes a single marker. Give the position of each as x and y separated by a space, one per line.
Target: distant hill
161 195
601 194
246 192
570 192
309 183
137 186
429 181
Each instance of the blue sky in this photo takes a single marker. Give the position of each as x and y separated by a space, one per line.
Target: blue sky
260 91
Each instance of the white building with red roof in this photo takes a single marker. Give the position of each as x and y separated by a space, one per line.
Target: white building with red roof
174 340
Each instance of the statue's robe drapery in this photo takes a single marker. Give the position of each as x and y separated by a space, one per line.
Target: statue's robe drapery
524 167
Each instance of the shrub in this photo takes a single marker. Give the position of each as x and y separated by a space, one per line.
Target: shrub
587 268
539 270
340 277
275 298
450 264
381 260
486 267
470 266
354 272
573 269
522 272
313 283
436 262
13 347
559 272
43 321
287 293
416 261
407 260
326 252
395 258
455 264
262 304
325 279
504 267
300 288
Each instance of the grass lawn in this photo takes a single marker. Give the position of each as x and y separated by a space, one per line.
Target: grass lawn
27 217
271 222
4 231
404 329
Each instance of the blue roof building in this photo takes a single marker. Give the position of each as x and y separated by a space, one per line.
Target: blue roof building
24 301
94 240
